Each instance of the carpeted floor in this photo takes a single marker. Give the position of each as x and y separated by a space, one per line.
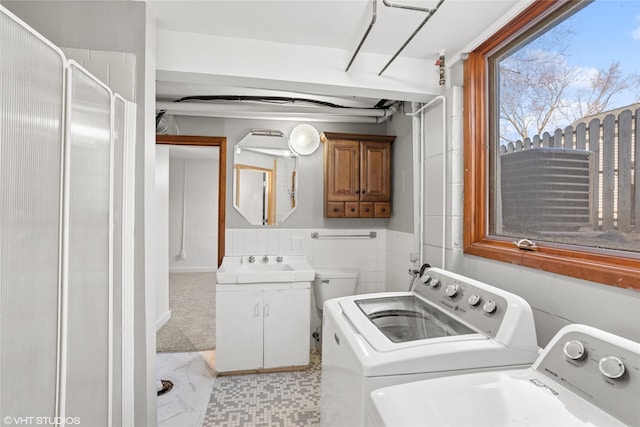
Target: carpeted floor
192 301
266 400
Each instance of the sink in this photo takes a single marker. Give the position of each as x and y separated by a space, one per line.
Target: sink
256 268
239 269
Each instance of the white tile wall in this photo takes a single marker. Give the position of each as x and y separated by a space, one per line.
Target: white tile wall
368 256
399 247
116 69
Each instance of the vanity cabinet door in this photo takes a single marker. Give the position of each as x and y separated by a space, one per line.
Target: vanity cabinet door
287 317
239 344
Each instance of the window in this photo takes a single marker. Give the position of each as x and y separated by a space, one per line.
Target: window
551 142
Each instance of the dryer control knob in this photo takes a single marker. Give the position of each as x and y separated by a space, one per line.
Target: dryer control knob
490 307
574 350
435 283
474 300
451 290
611 367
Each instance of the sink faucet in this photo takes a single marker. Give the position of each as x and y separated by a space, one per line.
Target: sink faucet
252 259
265 259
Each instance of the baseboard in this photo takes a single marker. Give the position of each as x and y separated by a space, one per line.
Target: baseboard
193 269
163 319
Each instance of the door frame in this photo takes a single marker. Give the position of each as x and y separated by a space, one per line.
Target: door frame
208 141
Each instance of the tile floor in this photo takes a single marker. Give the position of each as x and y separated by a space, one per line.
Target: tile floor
265 400
193 376
276 399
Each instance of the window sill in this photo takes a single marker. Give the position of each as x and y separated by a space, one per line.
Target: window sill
611 270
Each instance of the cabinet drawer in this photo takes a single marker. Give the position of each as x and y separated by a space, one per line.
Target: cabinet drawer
335 210
351 210
366 210
382 209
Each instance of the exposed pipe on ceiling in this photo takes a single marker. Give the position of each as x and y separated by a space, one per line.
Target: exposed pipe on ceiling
429 15
278 112
406 6
373 21
273 108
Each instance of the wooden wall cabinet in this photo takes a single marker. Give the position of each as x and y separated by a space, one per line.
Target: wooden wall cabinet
357 175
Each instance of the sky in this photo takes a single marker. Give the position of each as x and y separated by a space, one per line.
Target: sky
608 31
600 34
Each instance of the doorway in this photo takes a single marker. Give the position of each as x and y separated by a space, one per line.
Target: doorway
194 192
208 141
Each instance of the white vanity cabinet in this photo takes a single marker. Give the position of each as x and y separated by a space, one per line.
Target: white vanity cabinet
262 326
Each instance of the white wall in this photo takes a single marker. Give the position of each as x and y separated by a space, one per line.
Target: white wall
161 240
200 252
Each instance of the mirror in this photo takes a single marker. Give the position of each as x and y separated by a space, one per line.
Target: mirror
265 177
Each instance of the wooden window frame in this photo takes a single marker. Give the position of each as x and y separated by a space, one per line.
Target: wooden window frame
609 267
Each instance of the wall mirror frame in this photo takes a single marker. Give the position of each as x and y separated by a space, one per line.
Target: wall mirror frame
265 177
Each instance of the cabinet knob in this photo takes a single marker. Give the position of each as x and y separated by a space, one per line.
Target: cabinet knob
366 209
384 209
357 191
362 191
353 210
335 209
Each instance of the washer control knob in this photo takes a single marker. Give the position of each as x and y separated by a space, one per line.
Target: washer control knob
474 300
574 350
435 283
490 307
611 367
426 278
451 290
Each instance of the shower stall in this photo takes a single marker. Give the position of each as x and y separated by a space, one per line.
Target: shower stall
66 188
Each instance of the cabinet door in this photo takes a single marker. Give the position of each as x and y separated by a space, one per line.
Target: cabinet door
287 318
375 171
342 171
239 344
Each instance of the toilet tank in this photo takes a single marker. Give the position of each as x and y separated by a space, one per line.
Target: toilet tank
330 284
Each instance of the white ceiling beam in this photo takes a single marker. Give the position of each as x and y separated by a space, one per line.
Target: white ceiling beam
205 59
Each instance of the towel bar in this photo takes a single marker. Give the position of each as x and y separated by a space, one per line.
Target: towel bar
316 235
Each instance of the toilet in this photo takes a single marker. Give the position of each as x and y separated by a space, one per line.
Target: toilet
330 284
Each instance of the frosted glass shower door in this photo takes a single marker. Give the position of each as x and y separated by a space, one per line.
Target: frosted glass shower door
88 351
31 114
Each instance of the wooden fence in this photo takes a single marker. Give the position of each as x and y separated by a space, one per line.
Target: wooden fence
614 142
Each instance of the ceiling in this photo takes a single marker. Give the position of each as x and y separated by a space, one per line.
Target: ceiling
332 26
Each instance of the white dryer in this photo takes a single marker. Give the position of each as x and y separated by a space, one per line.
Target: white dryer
447 325
584 377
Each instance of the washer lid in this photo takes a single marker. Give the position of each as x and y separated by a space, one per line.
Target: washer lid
498 398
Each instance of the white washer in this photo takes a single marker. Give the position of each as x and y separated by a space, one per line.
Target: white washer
447 325
584 377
